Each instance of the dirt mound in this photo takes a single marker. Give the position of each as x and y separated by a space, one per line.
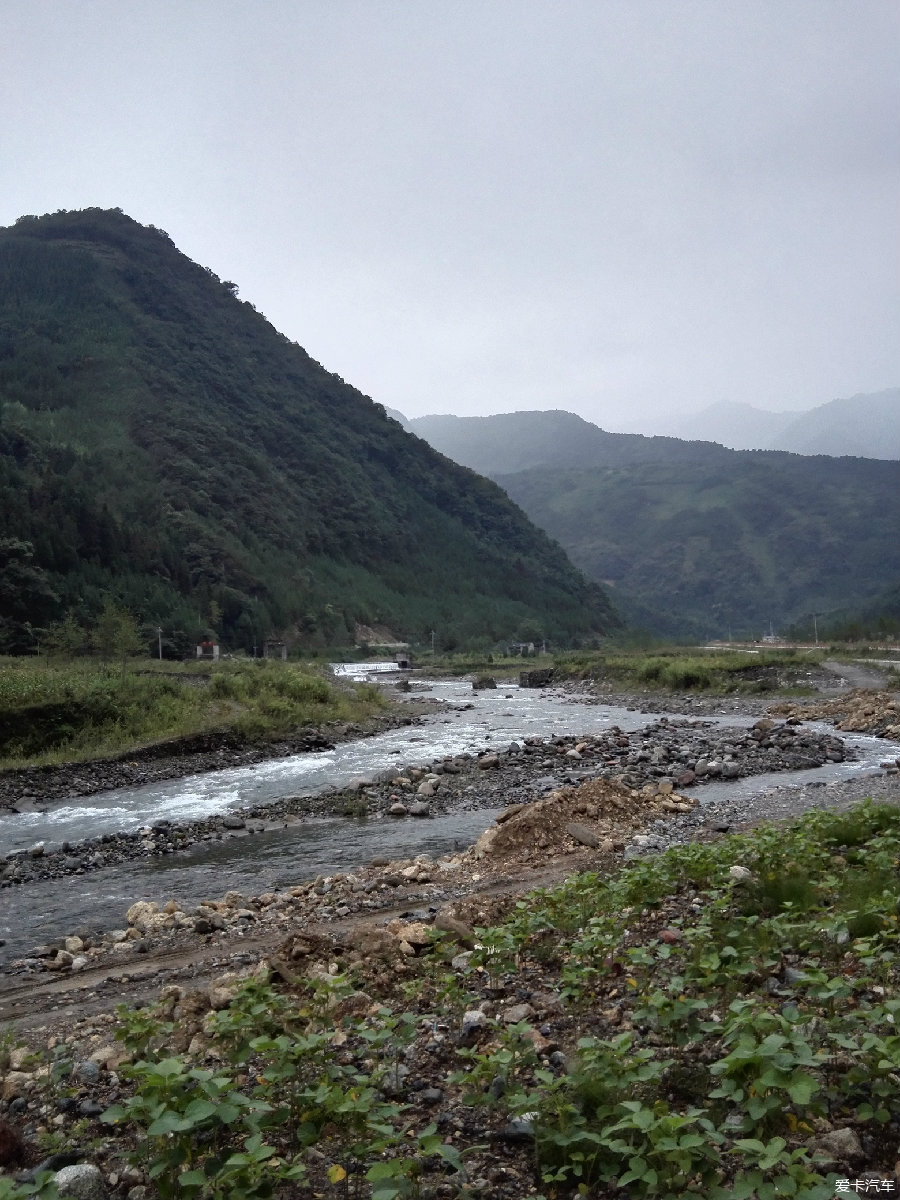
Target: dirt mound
599 814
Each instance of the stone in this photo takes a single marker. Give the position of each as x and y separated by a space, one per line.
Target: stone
488 762
222 991
14 1084
419 808
86 1072
516 1013
81 1182
472 1023
398 810
447 923
537 678
840 1145
232 821
740 874
415 933
541 1044
373 943
517 1131
583 834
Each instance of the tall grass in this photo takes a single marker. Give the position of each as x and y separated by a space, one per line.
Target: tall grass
683 670
68 712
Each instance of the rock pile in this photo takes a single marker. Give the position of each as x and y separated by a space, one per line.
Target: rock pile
859 711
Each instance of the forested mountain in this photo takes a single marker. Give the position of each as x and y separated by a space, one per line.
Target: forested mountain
691 538
162 443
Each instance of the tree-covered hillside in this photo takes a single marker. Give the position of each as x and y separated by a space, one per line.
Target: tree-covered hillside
162 443
691 538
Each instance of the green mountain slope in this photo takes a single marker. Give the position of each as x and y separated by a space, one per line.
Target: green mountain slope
161 441
689 537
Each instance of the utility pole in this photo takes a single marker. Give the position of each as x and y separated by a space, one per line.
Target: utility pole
815 628
159 640
432 643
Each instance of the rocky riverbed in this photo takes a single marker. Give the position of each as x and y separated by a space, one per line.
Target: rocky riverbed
668 754
568 803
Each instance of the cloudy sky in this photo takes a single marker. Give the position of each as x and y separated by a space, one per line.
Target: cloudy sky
623 208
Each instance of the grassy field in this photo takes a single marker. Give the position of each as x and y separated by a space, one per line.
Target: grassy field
688 669
60 712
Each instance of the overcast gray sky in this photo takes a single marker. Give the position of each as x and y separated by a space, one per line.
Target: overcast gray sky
623 208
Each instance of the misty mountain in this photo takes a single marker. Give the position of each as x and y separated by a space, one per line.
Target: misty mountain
505 443
692 538
864 426
163 444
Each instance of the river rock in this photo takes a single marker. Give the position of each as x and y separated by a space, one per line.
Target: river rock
145 916
583 834
446 922
81 1182
538 678
740 874
839 1146
86 1072
488 762
15 1083
480 682
474 1020
516 1013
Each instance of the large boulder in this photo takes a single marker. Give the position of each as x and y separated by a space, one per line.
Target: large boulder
538 678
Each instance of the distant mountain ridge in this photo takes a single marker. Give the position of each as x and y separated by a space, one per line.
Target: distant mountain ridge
505 443
866 425
691 538
161 443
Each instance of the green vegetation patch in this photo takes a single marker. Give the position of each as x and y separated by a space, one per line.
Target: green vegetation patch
56 712
681 670
716 1009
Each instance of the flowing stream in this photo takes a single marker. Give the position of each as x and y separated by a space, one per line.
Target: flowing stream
252 864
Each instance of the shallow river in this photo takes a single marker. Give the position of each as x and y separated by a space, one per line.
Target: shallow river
300 851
